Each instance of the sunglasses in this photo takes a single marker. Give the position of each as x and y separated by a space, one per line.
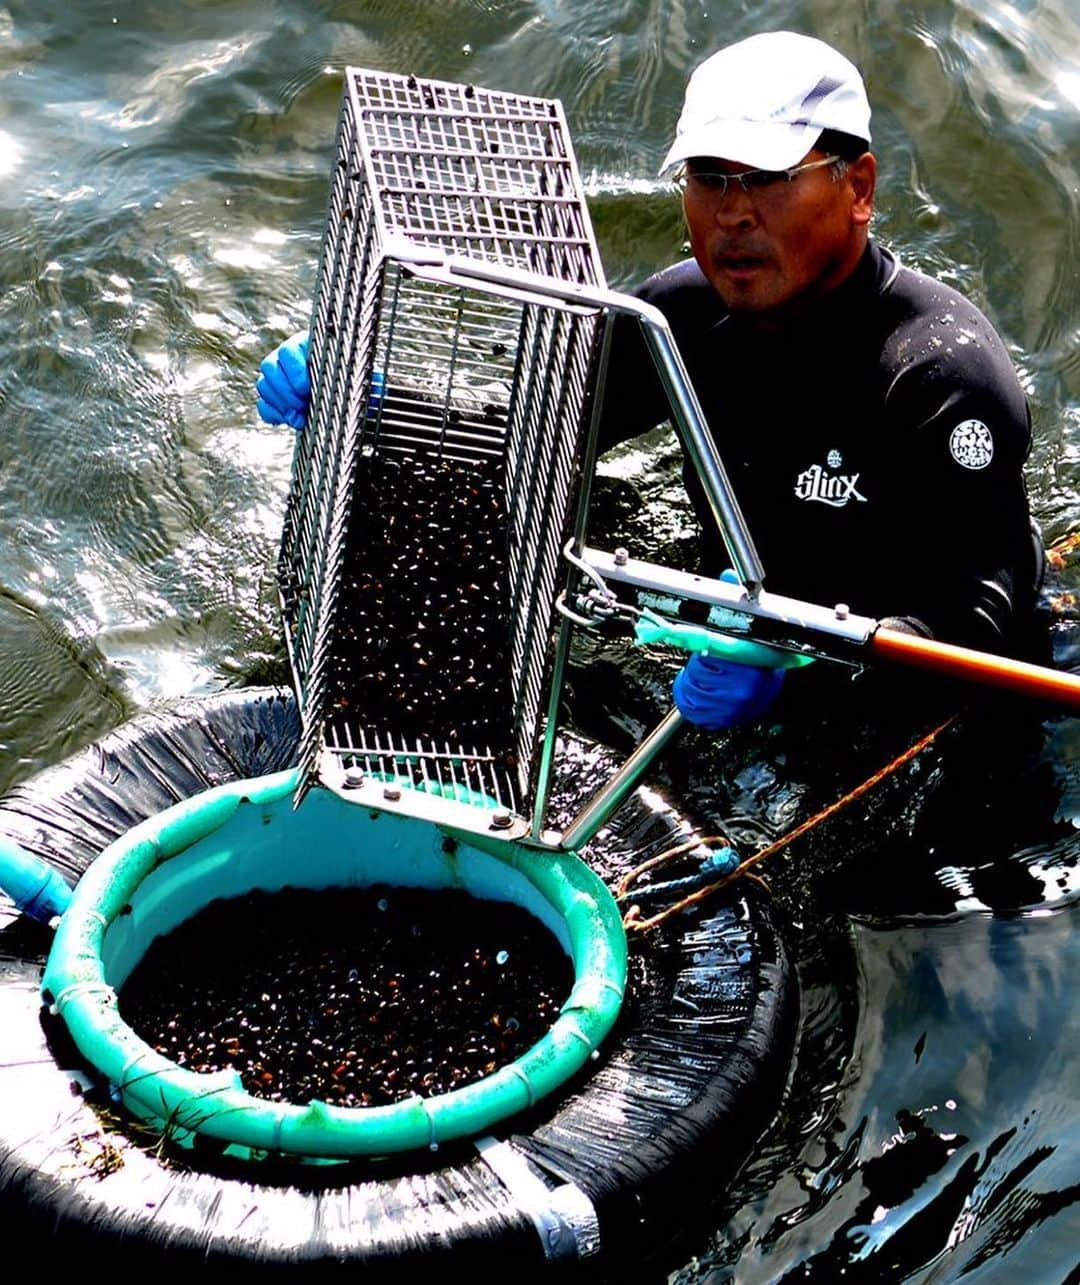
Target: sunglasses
750 181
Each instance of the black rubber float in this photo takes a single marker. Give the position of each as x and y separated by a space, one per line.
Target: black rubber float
631 1157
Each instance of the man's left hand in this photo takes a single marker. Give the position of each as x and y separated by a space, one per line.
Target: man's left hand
284 388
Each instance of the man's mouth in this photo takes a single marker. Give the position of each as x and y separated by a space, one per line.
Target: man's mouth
739 264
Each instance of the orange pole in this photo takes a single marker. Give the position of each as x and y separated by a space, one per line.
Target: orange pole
977 666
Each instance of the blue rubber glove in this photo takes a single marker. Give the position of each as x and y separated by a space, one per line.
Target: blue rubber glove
713 694
284 388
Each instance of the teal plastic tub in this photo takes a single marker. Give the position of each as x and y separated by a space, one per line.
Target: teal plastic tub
247 835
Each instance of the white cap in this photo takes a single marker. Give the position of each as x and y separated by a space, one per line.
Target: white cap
764 101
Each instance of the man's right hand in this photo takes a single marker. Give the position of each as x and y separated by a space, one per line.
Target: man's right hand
284 388
714 694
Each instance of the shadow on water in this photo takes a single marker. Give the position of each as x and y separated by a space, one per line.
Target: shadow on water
55 696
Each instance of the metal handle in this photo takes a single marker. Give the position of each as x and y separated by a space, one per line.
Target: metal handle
608 800
687 414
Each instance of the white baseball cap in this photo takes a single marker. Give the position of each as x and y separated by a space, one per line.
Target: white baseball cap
764 101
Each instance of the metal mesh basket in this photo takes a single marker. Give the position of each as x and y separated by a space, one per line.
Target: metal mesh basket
434 485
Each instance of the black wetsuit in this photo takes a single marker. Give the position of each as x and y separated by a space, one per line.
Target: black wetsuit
875 444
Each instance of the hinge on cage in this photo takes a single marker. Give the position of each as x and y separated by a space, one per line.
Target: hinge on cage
592 606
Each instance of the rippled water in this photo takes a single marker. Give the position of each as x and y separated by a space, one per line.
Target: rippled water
164 177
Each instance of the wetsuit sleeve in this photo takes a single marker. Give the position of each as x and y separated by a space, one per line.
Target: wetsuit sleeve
967 555
634 399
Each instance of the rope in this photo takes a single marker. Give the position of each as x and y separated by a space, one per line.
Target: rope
1058 553
632 920
662 858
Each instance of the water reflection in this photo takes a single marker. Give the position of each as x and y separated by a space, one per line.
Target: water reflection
950 1144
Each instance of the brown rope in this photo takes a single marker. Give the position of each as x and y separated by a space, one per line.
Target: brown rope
1058 553
632 920
669 854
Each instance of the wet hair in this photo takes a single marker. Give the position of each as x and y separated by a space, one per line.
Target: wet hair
847 146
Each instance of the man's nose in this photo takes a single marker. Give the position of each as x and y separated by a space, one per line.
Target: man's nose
735 208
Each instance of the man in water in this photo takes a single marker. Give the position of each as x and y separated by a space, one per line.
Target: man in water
874 432
869 418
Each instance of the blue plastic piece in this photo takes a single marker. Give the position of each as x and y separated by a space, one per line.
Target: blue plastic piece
722 861
375 395
37 889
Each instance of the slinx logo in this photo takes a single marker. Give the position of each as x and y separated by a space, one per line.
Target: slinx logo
834 489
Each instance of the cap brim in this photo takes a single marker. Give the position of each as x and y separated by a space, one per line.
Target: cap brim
766 145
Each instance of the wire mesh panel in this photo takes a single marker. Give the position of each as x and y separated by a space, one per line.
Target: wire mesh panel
435 482
478 173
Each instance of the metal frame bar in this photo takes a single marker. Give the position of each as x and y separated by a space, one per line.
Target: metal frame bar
562 644
836 628
606 801
689 418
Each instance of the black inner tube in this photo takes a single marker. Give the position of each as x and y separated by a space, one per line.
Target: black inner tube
649 1135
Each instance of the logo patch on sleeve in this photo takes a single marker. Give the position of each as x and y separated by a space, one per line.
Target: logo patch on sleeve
971 444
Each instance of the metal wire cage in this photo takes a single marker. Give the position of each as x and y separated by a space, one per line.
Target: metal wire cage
436 480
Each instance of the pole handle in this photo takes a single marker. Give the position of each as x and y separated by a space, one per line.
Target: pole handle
1052 685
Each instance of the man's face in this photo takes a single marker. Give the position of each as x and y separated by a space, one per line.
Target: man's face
769 250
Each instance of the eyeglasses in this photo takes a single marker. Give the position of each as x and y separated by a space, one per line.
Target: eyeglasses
753 182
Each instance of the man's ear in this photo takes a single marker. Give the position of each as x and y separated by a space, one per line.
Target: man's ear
862 176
